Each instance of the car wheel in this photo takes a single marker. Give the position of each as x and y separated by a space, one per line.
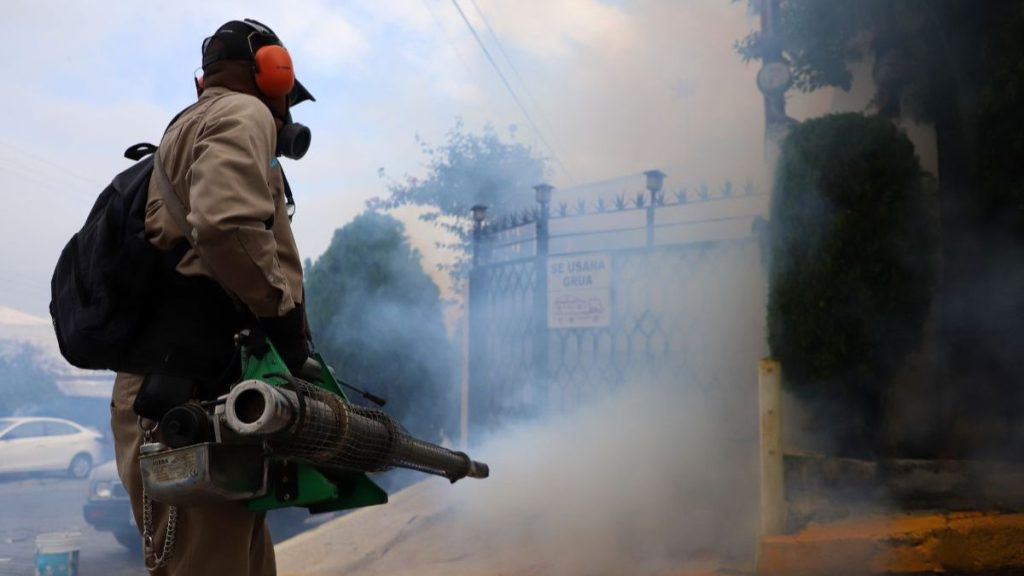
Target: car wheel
80 466
130 539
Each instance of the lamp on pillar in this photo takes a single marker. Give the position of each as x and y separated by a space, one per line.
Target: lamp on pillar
540 301
479 215
655 180
470 367
543 193
774 78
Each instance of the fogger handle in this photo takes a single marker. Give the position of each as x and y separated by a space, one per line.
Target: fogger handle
311 371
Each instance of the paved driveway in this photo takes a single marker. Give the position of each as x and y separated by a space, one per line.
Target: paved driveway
32 505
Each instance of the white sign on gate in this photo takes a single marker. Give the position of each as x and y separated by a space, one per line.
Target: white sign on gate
579 291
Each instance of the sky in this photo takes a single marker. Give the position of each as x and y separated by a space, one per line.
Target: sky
615 87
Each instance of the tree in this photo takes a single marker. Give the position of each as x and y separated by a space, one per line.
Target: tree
851 262
957 64
469 169
25 383
950 62
818 40
376 317
918 46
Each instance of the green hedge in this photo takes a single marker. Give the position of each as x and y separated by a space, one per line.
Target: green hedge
851 255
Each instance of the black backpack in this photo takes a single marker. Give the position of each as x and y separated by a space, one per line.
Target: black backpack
99 288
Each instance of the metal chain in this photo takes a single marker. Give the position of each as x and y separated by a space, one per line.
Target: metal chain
154 562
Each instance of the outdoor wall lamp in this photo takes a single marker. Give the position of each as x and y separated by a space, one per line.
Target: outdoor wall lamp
655 179
479 213
543 192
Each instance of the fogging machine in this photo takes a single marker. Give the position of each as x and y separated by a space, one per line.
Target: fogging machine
278 439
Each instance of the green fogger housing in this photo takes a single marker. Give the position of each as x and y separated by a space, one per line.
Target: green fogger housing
278 440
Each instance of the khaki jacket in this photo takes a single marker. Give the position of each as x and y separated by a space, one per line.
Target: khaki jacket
219 157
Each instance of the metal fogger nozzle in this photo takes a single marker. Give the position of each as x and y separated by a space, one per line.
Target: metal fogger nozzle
304 422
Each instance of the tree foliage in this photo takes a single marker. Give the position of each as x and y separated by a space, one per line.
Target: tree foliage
959 66
818 39
1001 126
26 383
851 253
918 46
467 170
376 317
958 63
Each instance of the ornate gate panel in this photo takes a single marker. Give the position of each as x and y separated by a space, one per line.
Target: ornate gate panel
683 288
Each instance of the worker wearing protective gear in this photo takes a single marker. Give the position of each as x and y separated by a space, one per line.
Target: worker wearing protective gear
240 269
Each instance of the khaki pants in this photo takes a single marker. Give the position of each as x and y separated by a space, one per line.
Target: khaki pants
217 540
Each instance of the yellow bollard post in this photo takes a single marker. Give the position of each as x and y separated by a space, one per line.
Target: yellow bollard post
773 512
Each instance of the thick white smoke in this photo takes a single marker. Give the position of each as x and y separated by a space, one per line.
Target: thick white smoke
653 476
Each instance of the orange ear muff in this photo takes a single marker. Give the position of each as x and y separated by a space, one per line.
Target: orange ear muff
274 74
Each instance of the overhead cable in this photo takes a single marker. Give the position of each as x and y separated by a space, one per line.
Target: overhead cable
512 92
508 60
444 32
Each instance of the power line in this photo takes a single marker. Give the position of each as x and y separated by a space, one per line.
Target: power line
51 177
504 80
20 165
508 60
27 181
43 160
444 32
47 186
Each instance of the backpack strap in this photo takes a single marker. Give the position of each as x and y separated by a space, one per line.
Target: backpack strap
177 210
289 200
171 200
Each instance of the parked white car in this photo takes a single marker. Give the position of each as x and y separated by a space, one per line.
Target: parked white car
34 444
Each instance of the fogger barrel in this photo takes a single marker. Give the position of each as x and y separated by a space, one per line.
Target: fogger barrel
305 422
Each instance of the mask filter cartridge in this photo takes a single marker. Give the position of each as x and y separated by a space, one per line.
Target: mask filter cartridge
293 140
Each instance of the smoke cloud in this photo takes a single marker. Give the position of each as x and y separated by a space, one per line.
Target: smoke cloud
654 474
643 481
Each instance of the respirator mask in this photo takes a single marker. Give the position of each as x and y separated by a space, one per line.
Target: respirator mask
292 139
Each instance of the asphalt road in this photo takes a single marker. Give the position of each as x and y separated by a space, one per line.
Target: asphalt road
32 505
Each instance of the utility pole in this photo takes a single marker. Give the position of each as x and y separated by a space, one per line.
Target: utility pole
470 335
773 80
541 337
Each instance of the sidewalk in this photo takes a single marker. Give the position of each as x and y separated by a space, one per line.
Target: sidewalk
421 532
